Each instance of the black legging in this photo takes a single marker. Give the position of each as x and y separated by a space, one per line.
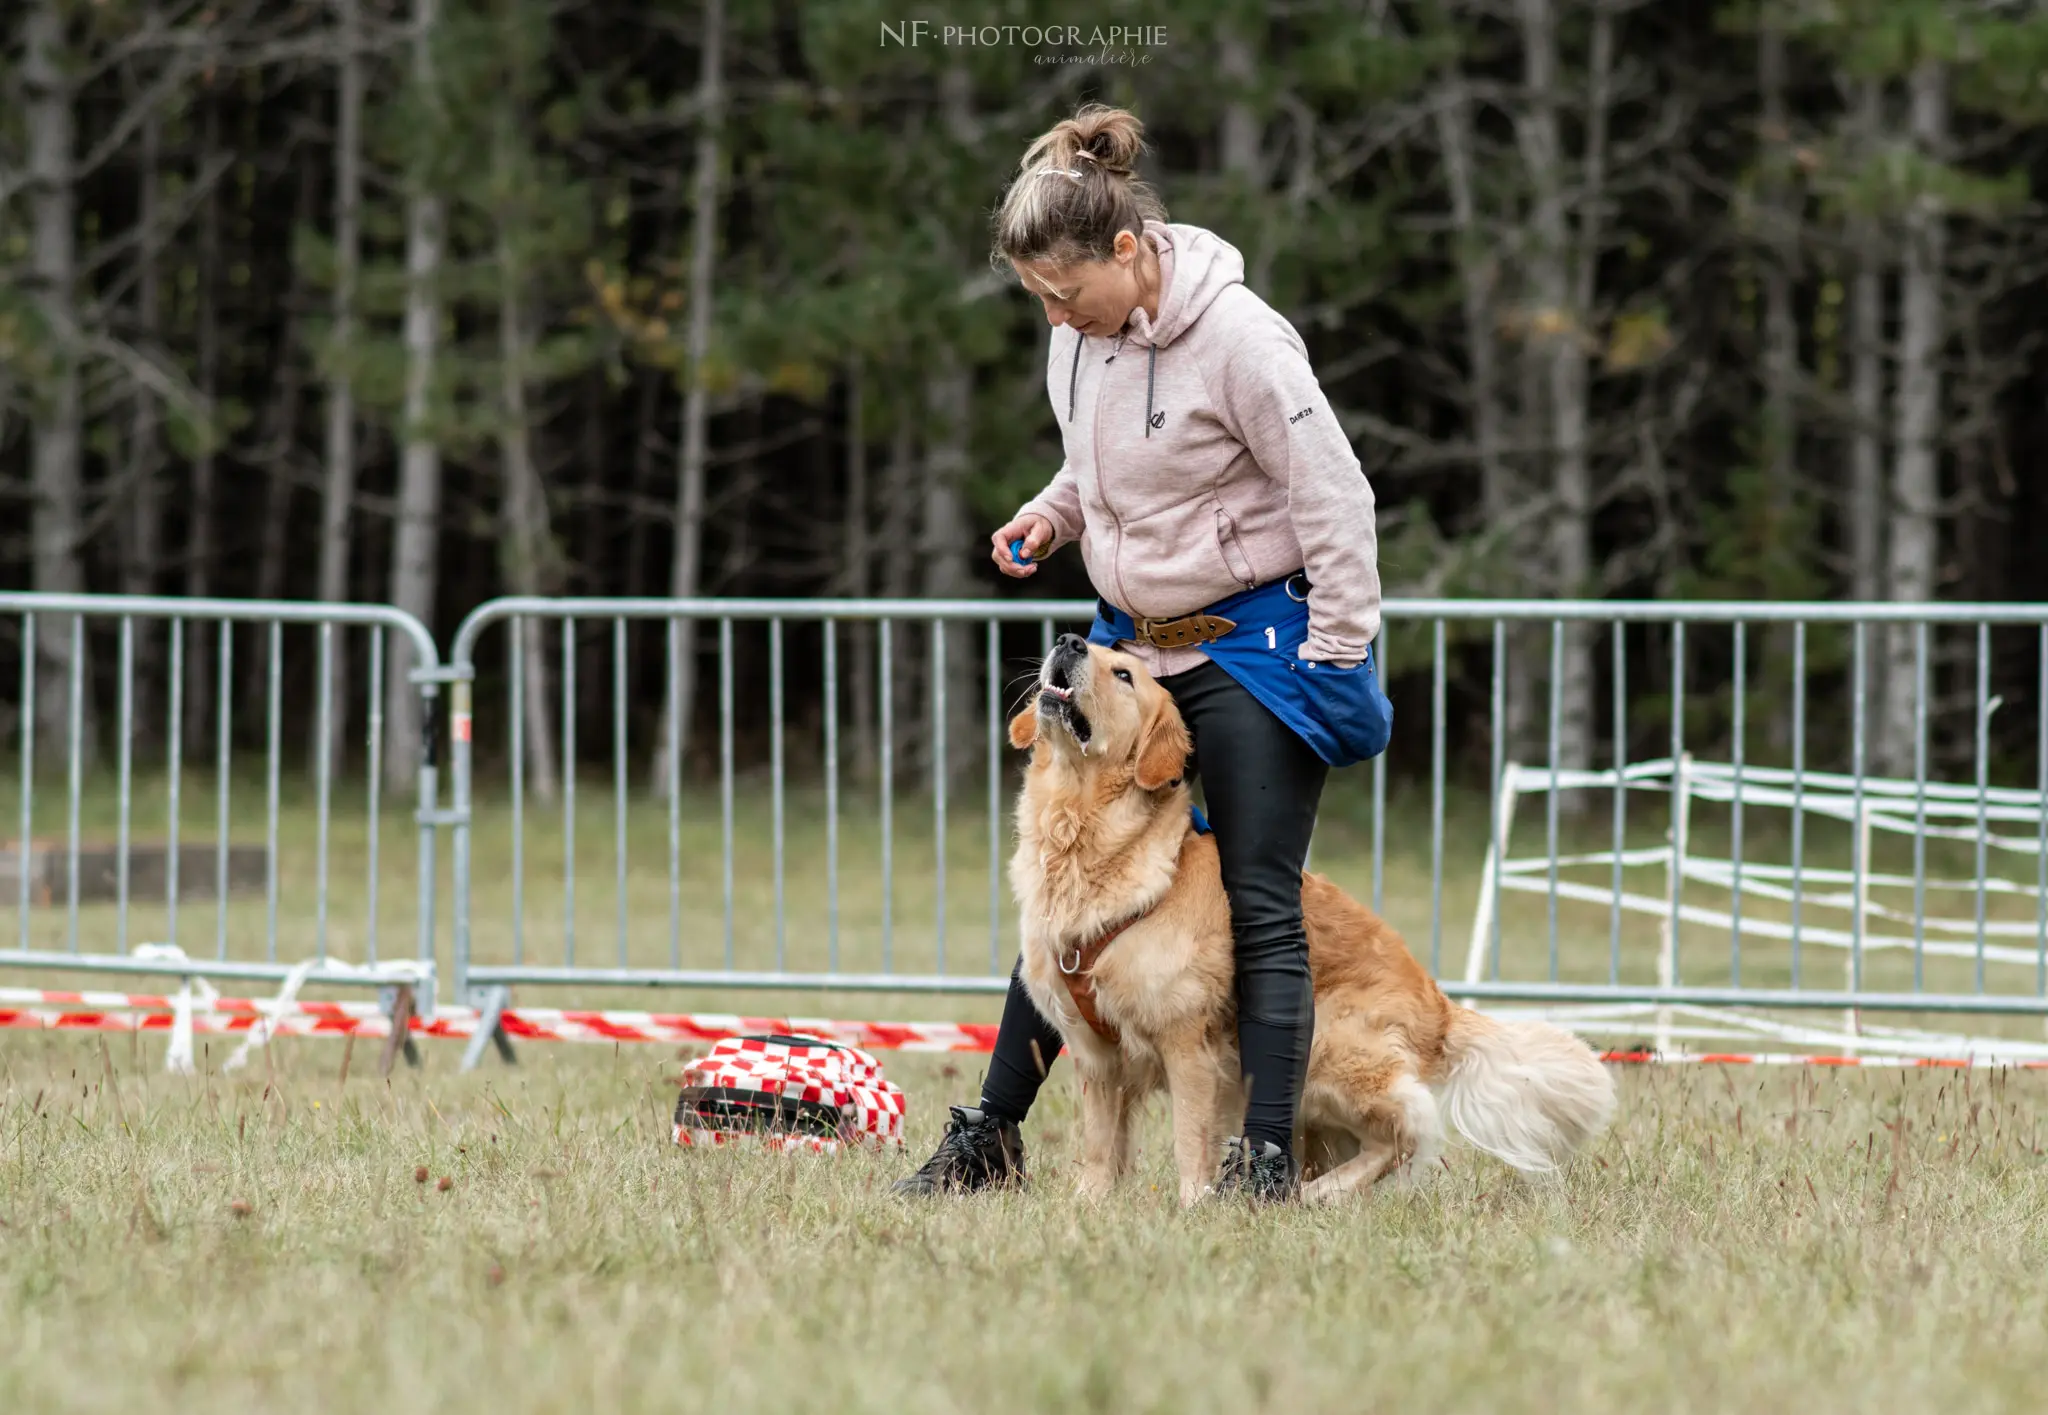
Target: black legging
1260 783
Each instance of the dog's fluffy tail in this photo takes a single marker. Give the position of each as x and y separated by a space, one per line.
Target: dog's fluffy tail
1525 1092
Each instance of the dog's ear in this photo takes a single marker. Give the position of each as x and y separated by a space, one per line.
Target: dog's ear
1163 750
1024 728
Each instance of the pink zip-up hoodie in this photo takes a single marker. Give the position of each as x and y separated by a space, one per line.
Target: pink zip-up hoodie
1203 459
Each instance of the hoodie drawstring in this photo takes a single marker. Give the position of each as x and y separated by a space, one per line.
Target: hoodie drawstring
1074 378
1151 379
1151 368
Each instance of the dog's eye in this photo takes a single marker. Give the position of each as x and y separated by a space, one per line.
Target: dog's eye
1123 673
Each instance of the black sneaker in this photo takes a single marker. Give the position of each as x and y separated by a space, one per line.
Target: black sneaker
978 1152
1265 1175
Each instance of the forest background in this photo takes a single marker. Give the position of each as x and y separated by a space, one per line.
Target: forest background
428 302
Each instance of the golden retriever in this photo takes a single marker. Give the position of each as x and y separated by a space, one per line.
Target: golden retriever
1104 839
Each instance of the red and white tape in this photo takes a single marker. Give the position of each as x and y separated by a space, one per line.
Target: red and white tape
51 1010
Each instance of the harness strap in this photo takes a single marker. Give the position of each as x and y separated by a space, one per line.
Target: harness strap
1080 980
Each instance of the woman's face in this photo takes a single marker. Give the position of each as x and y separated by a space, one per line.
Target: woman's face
1095 297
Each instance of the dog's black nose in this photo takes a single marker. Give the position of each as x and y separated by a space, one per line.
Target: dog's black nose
1072 643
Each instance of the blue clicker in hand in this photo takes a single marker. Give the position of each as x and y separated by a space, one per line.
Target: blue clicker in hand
1018 554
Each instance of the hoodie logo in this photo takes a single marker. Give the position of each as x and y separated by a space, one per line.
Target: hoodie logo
1299 416
1159 419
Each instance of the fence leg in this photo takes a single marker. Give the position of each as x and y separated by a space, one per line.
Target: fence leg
490 1030
1853 965
1667 952
1496 847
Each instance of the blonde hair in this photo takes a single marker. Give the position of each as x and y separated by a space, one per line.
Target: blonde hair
1076 189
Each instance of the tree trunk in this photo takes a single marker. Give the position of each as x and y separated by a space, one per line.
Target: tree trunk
1479 279
946 553
416 553
273 547
1242 149
200 645
944 557
905 662
1779 216
527 546
686 569
856 573
56 519
1563 268
142 540
339 491
1866 378
1916 458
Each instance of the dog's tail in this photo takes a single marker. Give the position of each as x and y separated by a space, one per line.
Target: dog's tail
1527 1093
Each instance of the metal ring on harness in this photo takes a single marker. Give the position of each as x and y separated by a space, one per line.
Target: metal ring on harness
1288 585
1063 963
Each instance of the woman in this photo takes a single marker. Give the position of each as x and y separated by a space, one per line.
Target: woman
1205 475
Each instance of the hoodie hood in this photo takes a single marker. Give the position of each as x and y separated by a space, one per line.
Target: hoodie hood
1195 266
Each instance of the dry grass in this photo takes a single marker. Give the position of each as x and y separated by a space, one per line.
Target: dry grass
1749 1241
1740 1241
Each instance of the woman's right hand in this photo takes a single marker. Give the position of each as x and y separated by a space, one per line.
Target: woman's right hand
1036 533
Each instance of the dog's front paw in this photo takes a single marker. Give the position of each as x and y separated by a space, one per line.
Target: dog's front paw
1094 1185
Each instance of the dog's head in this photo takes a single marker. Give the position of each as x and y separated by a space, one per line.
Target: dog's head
1101 708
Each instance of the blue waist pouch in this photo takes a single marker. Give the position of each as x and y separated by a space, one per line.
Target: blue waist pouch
1342 713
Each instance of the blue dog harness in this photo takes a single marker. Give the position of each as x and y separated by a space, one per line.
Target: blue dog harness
1342 713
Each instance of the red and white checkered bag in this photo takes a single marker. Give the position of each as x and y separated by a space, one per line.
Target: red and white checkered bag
788 1092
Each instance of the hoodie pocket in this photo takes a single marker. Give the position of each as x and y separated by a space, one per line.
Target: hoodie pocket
1232 549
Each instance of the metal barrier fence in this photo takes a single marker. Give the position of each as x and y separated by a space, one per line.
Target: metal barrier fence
206 658
818 904
819 866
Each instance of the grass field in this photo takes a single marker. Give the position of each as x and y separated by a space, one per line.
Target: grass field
1740 1241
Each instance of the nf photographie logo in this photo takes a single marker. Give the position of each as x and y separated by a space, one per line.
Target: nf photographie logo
1049 44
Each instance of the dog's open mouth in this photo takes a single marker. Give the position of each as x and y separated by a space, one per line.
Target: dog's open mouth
1057 700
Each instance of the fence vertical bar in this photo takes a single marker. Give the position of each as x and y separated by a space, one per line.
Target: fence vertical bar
1550 800
776 768
173 767
940 773
832 794
1920 632
323 736
1985 707
1437 768
1857 749
376 785
1798 787
886 657
993 689
1620 690
725 771
75 782
672 666
569 792
273 750
619 745
124 781
2040 822
28 771
1680 803
515 692
224 733
1499 734
1735 807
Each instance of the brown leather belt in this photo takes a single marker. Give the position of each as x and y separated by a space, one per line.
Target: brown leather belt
1179 633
